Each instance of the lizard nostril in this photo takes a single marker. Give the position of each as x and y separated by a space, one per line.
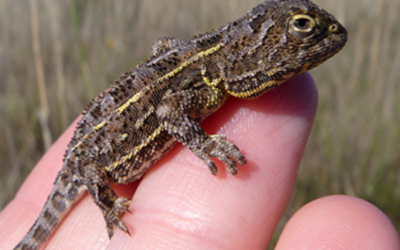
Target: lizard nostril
333 28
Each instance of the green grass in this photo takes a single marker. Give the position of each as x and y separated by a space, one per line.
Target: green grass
85 45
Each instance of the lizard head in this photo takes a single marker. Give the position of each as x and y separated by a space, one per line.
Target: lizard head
276 41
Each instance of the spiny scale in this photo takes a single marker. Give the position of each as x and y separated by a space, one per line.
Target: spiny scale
134 123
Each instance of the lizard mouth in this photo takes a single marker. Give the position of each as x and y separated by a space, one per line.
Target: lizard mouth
337 38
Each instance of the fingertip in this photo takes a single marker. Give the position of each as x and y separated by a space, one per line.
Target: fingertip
339 222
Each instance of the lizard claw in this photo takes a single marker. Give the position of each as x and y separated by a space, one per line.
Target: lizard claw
112 217
225 151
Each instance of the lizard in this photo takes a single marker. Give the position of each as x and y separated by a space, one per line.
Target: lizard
135 122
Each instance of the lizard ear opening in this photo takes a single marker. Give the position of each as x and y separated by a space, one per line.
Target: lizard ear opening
302 26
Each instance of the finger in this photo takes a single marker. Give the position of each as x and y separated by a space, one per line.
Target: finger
180 205
339 222
82 221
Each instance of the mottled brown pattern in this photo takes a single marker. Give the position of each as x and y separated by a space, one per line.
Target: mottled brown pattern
127 128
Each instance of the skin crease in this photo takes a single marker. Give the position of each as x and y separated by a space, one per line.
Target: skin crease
180 205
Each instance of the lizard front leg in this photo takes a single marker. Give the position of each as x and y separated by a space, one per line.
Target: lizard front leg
180 113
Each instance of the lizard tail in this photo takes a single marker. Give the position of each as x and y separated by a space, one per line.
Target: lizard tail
63 196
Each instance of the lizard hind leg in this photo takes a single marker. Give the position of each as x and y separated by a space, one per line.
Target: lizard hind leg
104 196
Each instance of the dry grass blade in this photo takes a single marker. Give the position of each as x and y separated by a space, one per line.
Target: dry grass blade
44 108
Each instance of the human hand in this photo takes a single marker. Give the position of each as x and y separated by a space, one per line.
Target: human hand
180 205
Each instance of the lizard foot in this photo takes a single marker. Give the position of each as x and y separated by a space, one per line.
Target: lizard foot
217 146
112 216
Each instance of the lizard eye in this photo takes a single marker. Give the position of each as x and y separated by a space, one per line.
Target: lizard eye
302 26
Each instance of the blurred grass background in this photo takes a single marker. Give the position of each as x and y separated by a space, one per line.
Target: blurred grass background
55 56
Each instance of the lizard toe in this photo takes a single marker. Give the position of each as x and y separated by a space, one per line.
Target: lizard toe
112 217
